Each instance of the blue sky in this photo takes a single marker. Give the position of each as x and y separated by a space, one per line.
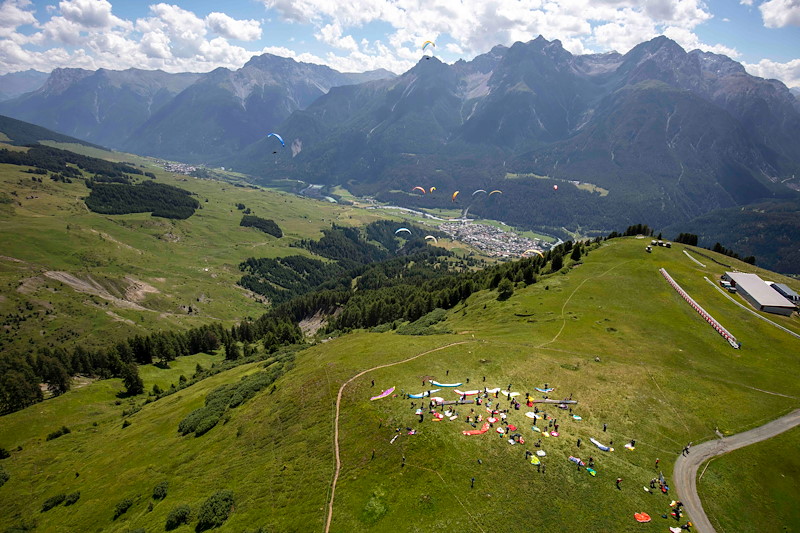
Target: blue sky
358 35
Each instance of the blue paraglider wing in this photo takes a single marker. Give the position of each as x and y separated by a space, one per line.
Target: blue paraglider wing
277 137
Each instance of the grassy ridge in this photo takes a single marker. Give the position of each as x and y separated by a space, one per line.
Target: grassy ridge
664 378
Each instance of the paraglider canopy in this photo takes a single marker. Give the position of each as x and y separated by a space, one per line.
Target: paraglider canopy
432 237
402 229
477 191
454 195
427 49
418 188
495 192
555 187
277 137
526 252
432 189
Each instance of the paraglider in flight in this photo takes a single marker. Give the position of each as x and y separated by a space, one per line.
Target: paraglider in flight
432 237
277 137
534 251
427 48
555 187
479 190
495 192
275 152
432 189
419 188
455 194
402 229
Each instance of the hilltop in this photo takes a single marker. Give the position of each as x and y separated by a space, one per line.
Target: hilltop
608 331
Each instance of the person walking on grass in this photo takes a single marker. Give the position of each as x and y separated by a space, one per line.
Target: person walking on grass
657 461
619 480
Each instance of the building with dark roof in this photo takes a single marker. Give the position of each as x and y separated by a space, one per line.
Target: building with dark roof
787 292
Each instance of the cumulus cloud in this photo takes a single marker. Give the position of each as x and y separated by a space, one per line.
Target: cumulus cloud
15 13
788 73
230 28
90 13
168 36
780 13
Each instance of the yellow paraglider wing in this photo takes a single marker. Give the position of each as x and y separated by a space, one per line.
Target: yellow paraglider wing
455 194
526 252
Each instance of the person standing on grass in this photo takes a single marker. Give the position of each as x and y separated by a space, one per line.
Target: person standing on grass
657 461
579 443
619 480
604 427
472 484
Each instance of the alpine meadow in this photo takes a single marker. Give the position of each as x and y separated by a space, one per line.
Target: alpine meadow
292 268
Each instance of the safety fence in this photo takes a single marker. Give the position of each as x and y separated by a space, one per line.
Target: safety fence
708 318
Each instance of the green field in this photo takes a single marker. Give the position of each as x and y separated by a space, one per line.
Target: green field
136 273
663 377
769 501
588 187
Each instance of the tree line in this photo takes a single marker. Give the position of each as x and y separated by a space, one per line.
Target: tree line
58 161
266 225
163 200
21 374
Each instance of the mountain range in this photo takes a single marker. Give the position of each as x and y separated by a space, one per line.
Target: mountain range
658 135
184 116
671 135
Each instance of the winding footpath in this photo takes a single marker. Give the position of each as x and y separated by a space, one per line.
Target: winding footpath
685 472
336 420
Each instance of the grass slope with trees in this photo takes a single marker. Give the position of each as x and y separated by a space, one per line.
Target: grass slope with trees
605 328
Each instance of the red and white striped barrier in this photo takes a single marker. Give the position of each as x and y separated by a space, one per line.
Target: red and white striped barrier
708 318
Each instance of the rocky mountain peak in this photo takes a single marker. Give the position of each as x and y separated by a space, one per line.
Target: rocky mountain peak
62 79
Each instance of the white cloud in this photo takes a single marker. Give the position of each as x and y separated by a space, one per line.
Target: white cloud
230 28
788 73
331 34
14 13
746 2
780 13
155 44
90 13
170 37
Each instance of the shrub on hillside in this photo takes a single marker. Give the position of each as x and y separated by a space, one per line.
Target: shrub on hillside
215 510
4 453
72 498
424 324
53 501
266 225
179 515
122 507
57 433
160 490
3 476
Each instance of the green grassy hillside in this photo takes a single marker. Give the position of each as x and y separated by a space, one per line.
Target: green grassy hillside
610 332
65 271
